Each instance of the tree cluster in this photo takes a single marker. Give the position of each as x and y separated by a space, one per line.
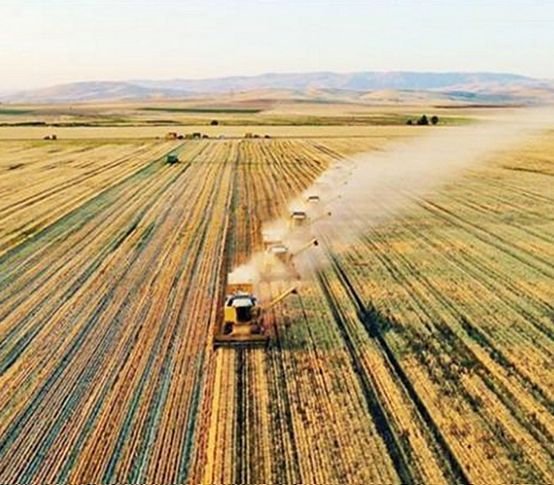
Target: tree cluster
424 121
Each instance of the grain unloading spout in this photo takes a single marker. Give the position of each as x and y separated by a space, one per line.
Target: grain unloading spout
322 216
291 291
313 242
281 253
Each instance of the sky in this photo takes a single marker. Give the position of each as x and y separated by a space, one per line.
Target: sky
46 42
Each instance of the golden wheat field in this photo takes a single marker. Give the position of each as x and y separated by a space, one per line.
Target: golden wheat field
421 351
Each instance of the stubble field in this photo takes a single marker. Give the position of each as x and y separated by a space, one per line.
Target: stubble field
419 352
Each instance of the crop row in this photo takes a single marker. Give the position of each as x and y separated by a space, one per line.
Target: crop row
107 312
40 183
466 311
418 352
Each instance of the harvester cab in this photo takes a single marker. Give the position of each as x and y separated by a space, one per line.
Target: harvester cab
284 255
298 218
243 317
279 251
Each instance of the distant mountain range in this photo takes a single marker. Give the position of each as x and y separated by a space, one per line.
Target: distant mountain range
473 87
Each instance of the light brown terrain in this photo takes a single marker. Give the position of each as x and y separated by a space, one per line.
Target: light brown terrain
419 352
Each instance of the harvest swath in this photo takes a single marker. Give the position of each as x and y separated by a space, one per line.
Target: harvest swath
419 352
40 183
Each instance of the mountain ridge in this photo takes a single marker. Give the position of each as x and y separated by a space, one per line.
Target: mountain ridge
506 87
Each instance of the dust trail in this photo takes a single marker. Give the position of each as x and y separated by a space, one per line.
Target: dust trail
419 166
354 188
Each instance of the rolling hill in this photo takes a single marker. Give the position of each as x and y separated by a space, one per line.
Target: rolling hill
474 87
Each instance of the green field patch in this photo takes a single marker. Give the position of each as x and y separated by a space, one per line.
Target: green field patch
14 111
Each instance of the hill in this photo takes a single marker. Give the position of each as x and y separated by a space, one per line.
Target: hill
477 87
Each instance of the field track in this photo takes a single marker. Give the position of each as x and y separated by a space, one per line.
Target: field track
421 352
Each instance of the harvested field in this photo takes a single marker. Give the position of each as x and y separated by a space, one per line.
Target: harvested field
41 182
421 352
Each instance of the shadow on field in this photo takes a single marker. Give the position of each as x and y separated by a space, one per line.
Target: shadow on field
328 334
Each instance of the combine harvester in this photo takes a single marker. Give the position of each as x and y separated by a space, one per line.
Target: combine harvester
242 325
301 219
278 253
298 218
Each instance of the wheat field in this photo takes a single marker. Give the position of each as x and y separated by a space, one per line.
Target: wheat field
421 351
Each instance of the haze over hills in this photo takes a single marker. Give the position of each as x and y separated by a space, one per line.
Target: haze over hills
472 87
358 81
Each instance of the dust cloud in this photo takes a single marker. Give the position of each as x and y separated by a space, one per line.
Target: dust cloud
354 189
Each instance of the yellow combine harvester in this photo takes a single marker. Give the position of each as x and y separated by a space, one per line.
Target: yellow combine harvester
281 253
243 317
269 240
298 218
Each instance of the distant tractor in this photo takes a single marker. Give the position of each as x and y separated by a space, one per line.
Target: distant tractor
171 159
51 137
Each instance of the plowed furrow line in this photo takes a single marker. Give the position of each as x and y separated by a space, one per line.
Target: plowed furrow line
483 274
30 253
492 216
473 332
41 196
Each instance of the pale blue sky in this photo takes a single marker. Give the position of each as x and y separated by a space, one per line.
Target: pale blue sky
53 41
